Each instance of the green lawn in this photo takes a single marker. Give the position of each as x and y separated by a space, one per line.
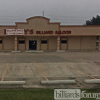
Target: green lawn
26 94
31 94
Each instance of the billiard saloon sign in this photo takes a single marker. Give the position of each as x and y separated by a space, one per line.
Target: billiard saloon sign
25 31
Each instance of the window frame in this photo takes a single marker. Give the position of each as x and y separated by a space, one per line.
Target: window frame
63 42
97 37
44 42
1 42
21 42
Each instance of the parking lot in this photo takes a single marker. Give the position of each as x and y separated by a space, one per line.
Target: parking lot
35 67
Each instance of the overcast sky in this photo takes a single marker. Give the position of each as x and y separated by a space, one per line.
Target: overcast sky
68 12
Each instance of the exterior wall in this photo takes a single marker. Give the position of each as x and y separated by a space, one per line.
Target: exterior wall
52 43
21 46
81 37
39 24
82 43
88 43
82 30
43 46
64 46
5 27
74 43
8 43
0 46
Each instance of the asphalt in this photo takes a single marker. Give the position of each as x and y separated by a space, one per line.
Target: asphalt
35 67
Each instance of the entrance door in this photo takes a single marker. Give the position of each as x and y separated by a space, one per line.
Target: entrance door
32 45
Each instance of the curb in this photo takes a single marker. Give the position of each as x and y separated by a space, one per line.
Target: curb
12 82
92 80
33 51
15 51
58 82
60 51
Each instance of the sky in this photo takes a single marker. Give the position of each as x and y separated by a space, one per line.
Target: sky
68 12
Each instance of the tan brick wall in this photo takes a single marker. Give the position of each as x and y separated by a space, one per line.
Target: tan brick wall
0 46
82 30
88 43
2 29
74 43
63 46
43 46
52 43
39 24
8 43
21 47
82 43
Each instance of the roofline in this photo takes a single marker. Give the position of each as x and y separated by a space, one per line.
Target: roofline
49 23
7 25
38 17
79 25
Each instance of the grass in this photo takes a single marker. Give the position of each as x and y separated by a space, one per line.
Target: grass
26 94
32 94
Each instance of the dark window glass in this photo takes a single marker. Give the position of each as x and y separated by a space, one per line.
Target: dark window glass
97 43
21 41
0 41
63 41
44 42
97 37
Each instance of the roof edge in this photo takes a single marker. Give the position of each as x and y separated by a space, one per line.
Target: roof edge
37 17
79 25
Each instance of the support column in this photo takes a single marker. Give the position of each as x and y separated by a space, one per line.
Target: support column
25 44
3 43
16 43
99 44
58 43
40 43
80 42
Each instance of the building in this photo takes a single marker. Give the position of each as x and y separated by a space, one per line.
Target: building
38 33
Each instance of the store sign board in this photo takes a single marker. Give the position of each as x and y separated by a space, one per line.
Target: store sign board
31 31
51 32
14 31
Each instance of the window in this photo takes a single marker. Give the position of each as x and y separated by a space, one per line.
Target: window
0 41
44 42
97 43
97 38
21 41
63 41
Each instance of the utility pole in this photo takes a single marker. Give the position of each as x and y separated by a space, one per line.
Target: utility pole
43 13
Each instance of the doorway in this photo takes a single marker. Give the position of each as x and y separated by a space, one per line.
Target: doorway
32 44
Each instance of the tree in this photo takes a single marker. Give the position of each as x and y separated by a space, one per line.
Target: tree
94 21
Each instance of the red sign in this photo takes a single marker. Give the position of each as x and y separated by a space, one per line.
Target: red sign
22 31
44 32
27 30
63 32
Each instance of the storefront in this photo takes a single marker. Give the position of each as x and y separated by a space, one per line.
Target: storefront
38 33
